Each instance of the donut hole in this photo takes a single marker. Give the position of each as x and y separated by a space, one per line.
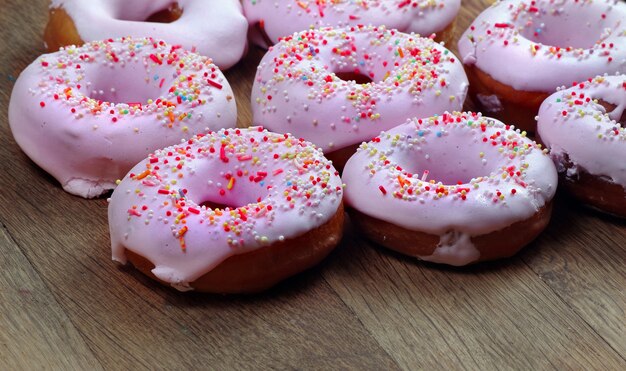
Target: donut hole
163 14
128 83
357 77
210 204
219 196
449 160
219 186
610 109
570 28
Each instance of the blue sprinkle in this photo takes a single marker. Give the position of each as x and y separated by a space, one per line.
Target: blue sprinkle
420 133
439 134
262 183
538 30
156 77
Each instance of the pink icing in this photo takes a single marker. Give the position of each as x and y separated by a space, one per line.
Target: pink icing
214 28
278 187
571 123
86 115
539 45
423 17
456 175
296 88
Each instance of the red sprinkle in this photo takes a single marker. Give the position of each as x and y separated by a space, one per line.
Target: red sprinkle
214 84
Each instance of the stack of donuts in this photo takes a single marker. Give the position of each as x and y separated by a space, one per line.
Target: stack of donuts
355 104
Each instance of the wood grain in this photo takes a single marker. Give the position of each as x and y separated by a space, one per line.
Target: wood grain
478 317
64 304
33 326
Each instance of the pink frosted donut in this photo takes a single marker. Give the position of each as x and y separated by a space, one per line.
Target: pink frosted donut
582 126
518 52
298 86
455 189
87 114
282 18
214 28
281 211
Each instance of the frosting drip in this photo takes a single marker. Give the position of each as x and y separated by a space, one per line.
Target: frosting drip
454 249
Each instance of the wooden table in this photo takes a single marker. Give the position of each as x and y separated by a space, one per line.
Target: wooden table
63 302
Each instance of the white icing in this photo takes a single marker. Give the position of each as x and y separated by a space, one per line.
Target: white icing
423 17
590 137
515 42
86 143
490 103
279 188
214 28
454 248
297 91
499 184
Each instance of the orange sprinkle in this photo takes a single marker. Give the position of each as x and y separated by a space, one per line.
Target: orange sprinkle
401 181
142 175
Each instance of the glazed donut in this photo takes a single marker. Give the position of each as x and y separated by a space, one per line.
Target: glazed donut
281 211
455 189
424 17
517 52
582 128
214 28
300 88
88 114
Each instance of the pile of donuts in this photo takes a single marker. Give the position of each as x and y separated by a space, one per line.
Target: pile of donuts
355 103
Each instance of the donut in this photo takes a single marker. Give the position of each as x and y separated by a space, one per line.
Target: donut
213 28
339 87
231 211
424 17
582 127
517 53
455 189
87 114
